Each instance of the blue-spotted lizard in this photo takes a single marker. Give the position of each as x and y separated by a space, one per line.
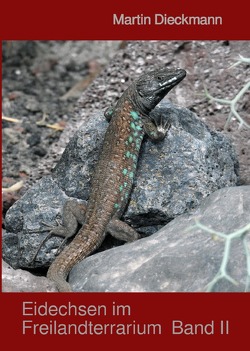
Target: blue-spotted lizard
114 173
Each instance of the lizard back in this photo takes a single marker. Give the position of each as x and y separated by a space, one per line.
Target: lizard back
115 170
110 188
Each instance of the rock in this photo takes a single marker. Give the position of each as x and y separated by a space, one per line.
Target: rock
42 203
32 104
175 259
23 281
173 177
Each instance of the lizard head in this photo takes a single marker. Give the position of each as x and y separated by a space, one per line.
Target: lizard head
153 86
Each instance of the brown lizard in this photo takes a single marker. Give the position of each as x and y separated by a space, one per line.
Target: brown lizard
114 172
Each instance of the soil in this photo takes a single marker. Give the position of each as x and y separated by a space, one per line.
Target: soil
42 81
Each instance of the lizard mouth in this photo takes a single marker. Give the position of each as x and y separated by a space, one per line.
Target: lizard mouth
172 81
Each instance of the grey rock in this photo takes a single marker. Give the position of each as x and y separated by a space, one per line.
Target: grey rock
175 259
73 171
32 104
41 204
173 177
23 281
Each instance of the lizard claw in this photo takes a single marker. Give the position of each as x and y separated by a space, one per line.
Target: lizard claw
53 230
162 127
156 126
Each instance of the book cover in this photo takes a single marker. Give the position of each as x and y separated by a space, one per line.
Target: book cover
186 281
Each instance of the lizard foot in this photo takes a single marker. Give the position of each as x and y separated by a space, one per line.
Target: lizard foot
73 214
122 231
156 126
57 230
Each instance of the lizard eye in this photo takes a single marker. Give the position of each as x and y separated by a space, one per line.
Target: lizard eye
140 93
159 78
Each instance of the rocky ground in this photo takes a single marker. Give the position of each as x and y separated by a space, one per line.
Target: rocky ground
43 80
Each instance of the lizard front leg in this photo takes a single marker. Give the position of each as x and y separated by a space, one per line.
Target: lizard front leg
156 127
108 113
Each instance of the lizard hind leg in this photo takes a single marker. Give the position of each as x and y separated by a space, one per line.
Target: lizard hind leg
73 213
122 231
54 231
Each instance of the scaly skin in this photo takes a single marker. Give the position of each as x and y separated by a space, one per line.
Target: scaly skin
115 170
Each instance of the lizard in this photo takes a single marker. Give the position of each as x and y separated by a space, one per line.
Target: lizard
129 120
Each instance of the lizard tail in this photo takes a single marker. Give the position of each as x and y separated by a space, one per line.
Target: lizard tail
85 242
59 279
